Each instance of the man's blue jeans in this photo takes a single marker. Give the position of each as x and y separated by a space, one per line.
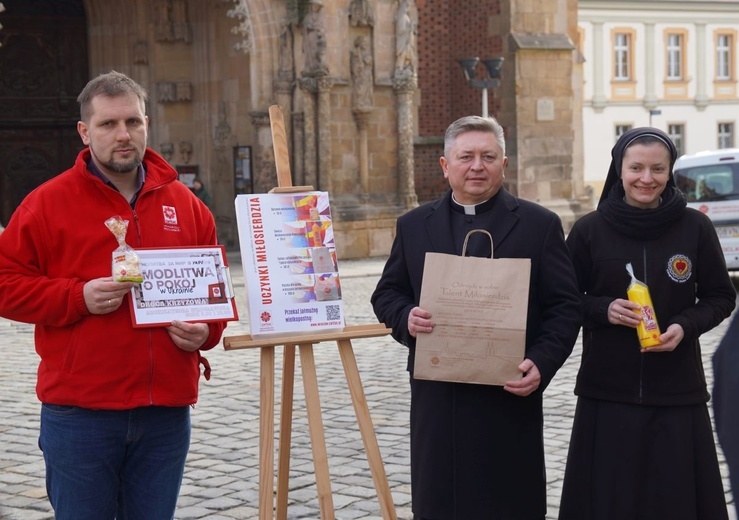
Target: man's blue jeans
106 464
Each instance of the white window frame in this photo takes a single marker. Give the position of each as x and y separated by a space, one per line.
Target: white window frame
674 57
621 129
726 135
622 57
676 132
723 57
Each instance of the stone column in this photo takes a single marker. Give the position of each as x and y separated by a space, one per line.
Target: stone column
222 176
265 173
310 164
701 90
362 117
405 87
324 85
285 81
298 149
599 95
650 92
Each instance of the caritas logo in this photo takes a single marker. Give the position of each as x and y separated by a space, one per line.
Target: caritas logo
170 215
265 317
703 208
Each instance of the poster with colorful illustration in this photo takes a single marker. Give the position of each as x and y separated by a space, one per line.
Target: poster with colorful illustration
289 259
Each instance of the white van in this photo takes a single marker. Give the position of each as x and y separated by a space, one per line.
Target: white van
710 180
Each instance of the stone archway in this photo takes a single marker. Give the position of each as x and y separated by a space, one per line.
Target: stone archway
44 62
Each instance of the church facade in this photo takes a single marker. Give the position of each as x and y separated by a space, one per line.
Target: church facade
366 88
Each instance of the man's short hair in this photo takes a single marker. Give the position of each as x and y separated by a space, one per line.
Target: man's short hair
473 124
110 84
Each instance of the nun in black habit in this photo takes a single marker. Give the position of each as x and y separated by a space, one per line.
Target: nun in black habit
642 443
477 451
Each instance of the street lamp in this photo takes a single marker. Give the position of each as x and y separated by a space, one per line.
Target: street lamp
493 66
653 112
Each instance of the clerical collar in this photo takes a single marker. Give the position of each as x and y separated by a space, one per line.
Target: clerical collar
472 209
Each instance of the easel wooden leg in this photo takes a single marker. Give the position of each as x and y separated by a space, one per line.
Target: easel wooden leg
315 422
317 439
266 432
286 420
366 429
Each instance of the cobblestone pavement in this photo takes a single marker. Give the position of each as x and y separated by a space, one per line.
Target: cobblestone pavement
221 479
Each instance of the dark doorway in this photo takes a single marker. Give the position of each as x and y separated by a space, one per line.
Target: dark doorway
43 67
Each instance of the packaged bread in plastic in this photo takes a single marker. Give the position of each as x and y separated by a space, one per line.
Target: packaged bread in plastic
126 265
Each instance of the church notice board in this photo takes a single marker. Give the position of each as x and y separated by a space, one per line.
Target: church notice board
289 258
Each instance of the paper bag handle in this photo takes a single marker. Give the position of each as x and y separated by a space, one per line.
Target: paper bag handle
466 238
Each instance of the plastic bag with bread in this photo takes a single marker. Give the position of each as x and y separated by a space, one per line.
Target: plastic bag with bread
126 266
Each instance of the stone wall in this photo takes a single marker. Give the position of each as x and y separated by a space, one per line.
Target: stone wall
373 143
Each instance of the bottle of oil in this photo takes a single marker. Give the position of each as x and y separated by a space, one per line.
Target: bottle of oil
648 330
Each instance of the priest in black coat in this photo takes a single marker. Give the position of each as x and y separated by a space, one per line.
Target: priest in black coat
477 451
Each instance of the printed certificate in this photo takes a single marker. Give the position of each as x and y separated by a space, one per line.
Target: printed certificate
186 284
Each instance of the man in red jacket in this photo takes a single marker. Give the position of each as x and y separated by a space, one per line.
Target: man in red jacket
115 418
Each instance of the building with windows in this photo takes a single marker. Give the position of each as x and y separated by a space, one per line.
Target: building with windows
671 64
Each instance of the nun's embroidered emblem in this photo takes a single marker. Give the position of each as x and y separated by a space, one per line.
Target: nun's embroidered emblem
679 268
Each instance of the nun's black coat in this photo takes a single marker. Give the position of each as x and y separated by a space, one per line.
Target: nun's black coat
477 451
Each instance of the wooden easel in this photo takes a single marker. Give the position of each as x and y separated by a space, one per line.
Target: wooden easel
310 383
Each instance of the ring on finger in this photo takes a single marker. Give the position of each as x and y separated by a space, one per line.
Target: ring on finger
110 303
620 317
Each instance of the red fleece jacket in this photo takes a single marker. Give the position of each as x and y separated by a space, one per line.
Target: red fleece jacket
55 242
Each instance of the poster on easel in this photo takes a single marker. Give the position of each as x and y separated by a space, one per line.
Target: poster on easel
289 259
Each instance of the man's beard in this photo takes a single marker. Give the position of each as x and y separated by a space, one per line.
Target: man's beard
123 167
119 166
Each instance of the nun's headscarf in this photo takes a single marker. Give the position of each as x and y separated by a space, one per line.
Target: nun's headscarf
642 223
619 150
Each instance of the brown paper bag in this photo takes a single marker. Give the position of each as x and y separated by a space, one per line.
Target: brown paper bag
479 308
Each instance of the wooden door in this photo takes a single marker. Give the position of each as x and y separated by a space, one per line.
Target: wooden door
43 64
